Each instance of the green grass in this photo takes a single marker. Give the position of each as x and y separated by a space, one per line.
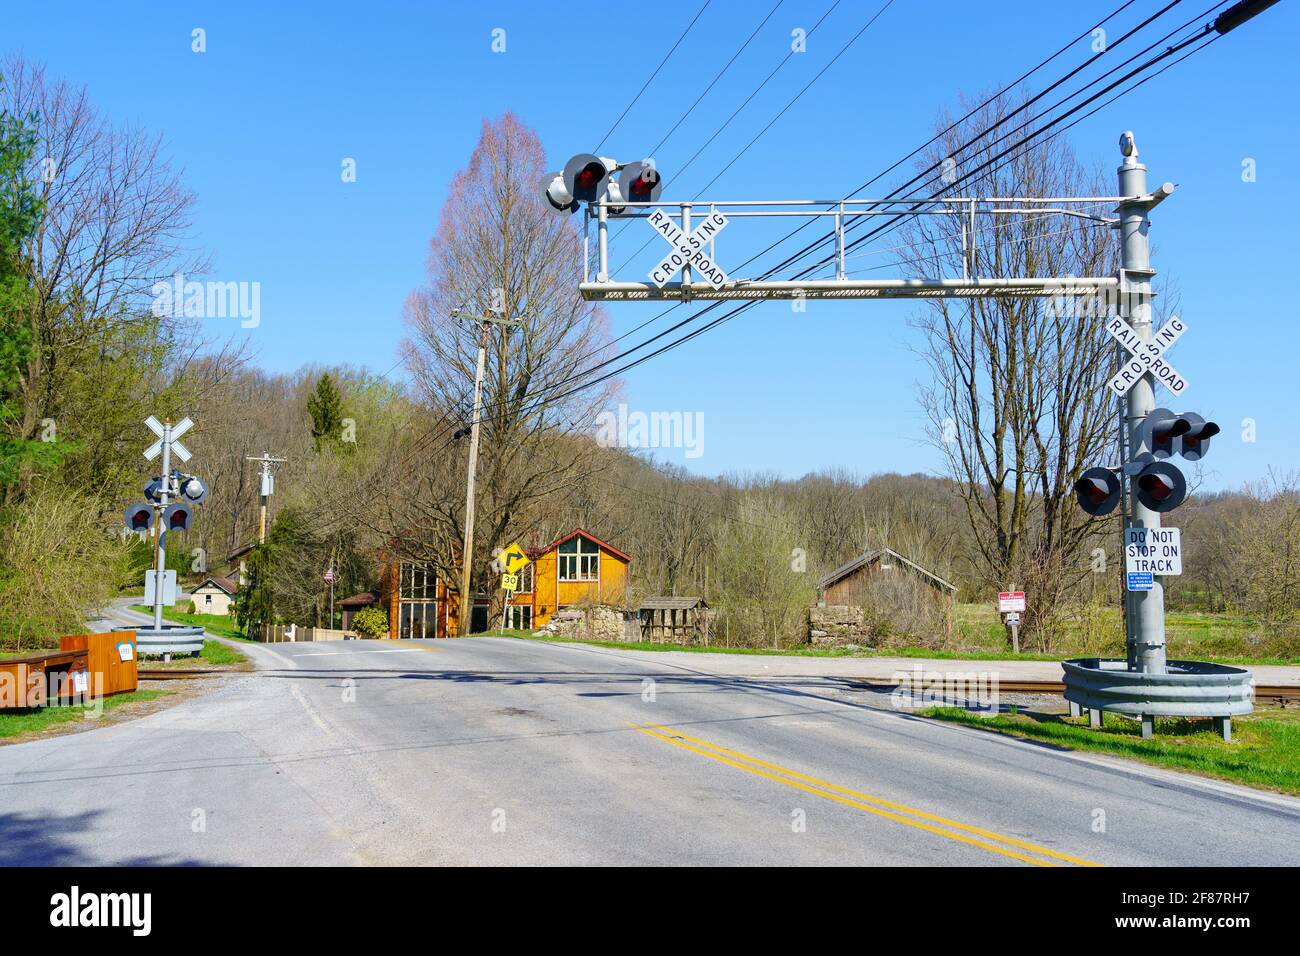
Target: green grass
216 623
214 652
16 722
1265 753
1221 637
962 651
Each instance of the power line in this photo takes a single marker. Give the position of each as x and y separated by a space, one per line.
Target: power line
797 96
647 83
877 177
690 109
747 305
1183 44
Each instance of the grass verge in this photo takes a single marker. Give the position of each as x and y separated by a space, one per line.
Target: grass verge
216 623
14 723
1265 753
214 653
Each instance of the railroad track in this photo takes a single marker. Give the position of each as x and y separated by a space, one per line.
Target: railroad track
179 673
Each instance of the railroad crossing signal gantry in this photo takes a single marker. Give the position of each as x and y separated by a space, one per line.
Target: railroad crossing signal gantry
609 189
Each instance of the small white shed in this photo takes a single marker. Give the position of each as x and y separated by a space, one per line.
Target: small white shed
214 595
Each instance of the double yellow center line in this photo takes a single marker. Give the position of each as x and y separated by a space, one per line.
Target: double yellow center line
897 812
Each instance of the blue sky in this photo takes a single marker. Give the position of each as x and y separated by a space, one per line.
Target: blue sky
262 120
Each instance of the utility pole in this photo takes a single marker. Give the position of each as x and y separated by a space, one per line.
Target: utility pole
486 320
267 489
1146 610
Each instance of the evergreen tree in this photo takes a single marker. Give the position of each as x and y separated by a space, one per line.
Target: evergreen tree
20 213
326 407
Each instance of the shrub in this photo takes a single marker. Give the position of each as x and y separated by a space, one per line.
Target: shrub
371 621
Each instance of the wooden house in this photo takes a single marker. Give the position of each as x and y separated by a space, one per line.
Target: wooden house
578 568
349 606
421 604
575 569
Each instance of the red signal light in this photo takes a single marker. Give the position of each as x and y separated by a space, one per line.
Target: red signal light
640 190
138 517
587 181
1161 487
1156 487
1098 491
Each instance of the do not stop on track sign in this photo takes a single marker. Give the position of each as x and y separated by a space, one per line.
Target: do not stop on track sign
1153 551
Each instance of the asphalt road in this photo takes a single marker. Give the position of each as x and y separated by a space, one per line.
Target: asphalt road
494 751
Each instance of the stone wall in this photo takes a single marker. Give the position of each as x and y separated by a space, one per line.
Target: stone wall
599 623
836 625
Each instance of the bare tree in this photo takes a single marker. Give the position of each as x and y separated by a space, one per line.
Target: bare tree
115 217
1017 404
499 249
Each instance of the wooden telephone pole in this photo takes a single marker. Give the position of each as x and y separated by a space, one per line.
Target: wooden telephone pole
467 552
267 489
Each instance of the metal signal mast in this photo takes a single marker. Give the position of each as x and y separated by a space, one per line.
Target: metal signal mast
1145 684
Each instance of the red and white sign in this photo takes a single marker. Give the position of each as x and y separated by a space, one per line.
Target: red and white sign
329 576
1011 601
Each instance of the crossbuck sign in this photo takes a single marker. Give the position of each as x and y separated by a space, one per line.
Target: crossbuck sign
1147 356
688 250
177 430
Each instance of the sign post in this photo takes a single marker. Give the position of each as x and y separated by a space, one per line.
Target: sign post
167 444
509 584
511 560
1012 604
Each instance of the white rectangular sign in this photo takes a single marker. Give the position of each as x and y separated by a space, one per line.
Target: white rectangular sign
169 587
1154 550
1011 601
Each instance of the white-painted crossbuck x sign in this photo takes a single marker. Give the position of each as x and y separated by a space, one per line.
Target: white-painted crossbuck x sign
1146 356
688 250
177 430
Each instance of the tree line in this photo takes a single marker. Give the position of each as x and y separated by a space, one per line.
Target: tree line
92 214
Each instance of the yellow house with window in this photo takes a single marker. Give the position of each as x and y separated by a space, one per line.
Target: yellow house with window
575 569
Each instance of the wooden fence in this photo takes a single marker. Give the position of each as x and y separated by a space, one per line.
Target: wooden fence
290 634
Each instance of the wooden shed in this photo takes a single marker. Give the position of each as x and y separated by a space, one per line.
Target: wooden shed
674 620
847 584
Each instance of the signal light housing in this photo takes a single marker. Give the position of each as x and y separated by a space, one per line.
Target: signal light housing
139 517
585 177
1195 441
1161 486
557 194
192 489
640 182
177 517
588 178
1187 434
1162 429
1098 491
